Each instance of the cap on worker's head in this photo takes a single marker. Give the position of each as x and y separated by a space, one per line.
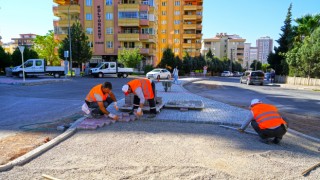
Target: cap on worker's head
125 89
255 101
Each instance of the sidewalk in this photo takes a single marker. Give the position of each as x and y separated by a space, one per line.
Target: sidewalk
31 81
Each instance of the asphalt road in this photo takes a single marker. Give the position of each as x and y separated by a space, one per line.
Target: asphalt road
25 105
229 90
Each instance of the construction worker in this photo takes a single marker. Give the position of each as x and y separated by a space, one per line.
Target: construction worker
99 98
143 89
266 121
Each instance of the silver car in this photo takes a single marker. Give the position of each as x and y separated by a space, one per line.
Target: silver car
252 77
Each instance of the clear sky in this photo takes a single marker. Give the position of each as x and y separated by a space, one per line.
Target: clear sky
250 19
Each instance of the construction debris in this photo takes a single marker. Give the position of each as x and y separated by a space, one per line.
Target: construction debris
306 172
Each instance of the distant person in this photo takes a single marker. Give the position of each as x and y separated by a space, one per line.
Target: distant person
266 121
99 98
143 89
272 76
175 75
205 71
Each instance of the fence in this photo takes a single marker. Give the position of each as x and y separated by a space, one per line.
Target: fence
298 81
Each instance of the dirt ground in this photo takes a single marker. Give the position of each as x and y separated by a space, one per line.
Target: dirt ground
19 144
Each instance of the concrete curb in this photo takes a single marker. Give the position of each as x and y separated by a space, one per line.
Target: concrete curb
304 135
41 149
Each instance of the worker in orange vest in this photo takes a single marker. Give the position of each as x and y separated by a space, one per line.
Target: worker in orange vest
143 89
99 98
266 121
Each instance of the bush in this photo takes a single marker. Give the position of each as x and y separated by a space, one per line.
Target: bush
148 68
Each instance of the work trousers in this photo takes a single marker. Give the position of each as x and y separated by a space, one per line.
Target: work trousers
269 133
152 103
95 107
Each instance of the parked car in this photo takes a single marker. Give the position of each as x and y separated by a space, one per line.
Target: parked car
237 74
226 74
267 76
159 74
252 77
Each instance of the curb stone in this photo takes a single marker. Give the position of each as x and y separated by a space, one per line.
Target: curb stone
43 148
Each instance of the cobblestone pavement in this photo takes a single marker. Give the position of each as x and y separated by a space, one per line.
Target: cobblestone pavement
214 112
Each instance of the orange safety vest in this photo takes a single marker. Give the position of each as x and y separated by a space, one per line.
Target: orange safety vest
145 85
96 90
267 116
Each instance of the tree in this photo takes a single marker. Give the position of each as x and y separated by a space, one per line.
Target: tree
5 60
167 60
209 54
306 25
80 46
265 67
256 65
130 57
27 54
45 47
277 60
187 63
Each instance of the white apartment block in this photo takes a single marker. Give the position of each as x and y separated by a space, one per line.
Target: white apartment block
246 56
264 45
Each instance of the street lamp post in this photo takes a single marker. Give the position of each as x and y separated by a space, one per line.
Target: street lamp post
230 67
71 2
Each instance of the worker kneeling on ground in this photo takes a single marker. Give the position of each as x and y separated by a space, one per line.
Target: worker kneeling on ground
143 89
99 98
266 121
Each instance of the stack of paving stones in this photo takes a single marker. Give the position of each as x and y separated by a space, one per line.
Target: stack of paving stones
93 123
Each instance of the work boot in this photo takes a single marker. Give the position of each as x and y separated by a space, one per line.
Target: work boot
276 140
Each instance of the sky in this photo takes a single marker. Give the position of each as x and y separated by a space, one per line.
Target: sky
250 19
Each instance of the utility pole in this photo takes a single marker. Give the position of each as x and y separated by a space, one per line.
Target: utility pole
230 67
71 2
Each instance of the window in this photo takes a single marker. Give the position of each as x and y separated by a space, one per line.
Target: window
177 3
143 14
176 31
109 16
89 31
129 44
128 15
29 64
176 50
108 2
38 63
176 40
164 3
164 22
109 30
163 31
109 44
163 40
147 31
164 13
88 16
176 21
177 13
88 2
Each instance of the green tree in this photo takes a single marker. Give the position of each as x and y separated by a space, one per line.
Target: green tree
167 60
256 65
27 54
187 63
45 47
130 57
277 60
209 55
265 67
305 26
5 59
80 46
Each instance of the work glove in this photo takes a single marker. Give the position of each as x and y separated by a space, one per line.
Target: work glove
115 106
113 116
139 112
85 108
240 130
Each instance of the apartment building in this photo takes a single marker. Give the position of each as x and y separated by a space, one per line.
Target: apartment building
246 57
24 39
225 46
150 25
180 26
111 26
264 45
253 54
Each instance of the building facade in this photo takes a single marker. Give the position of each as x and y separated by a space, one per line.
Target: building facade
225 46
148 25
246 57
180 26
24 39
253 54
264 45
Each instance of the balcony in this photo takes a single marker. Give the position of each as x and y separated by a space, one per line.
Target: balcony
199 27
199 36
144 22
190 8
199 8
128 7
144 50
64 9
187 45
189 26
128 22
189 36
64 22
128 37
190 17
